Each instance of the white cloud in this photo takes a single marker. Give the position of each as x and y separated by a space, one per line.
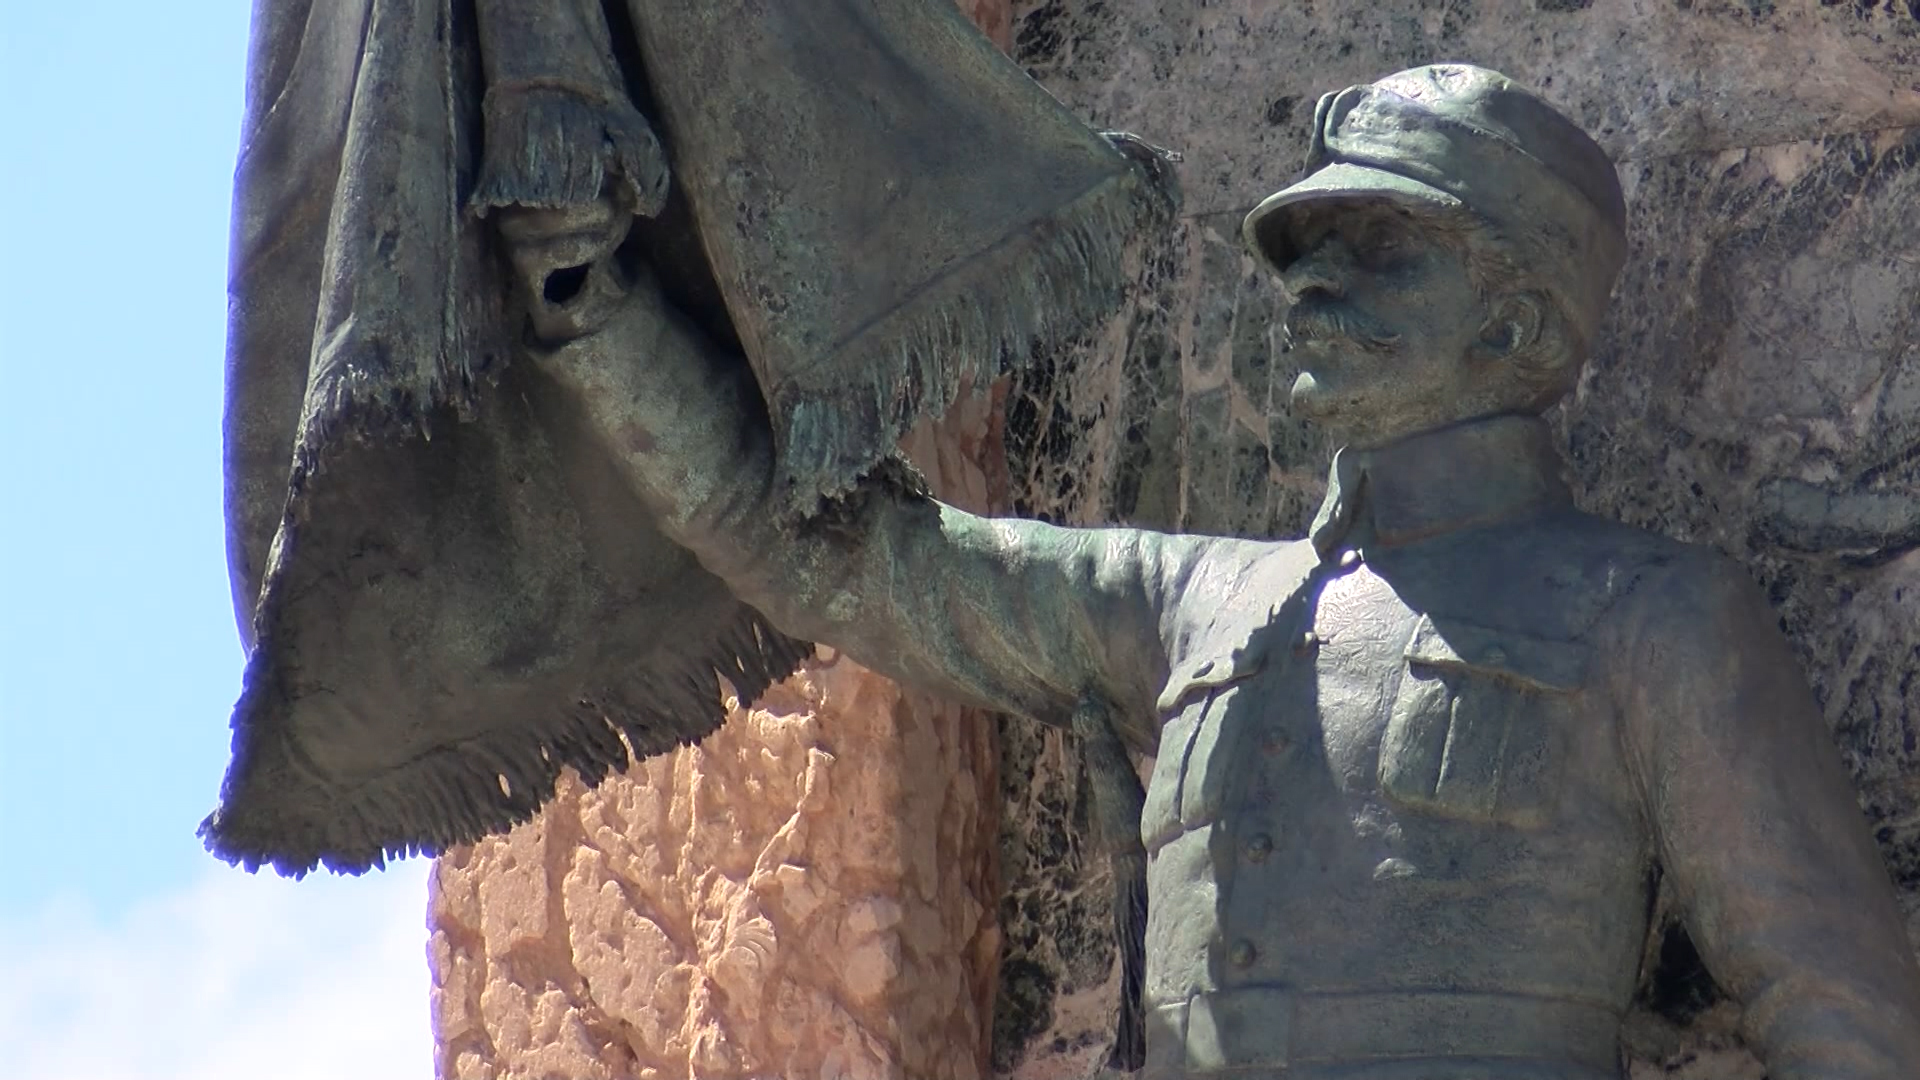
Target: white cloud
234 978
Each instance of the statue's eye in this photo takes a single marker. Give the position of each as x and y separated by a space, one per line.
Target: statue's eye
1308 234
1381 245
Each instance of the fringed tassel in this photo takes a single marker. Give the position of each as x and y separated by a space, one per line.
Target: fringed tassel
1043 285
553 146
1118 799
453 796
558 121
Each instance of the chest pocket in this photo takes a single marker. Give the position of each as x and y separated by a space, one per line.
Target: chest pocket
1189 774
1480 723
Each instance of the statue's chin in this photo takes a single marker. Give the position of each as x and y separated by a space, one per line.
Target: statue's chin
1344 417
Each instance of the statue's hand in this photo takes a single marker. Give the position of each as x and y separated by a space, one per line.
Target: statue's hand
677 412
565 261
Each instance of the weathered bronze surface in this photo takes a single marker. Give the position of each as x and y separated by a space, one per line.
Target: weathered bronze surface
1423 778
448 594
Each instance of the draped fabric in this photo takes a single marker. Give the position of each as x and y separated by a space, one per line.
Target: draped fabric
447 592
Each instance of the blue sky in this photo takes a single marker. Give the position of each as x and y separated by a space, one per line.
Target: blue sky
125 950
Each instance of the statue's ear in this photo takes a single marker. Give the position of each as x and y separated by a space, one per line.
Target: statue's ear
1513 326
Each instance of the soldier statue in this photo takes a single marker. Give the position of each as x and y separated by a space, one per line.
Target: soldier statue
1425 783
1420 777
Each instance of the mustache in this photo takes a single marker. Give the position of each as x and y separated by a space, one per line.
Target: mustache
1321 318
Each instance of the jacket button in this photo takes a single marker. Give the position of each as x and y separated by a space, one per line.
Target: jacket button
1241 954
1494 655
1259 846
1308 642
1350 558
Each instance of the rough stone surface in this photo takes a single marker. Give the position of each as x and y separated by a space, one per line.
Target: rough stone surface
1757 388
800 895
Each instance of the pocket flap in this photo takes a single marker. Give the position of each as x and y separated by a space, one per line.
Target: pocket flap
1530 661
1197 677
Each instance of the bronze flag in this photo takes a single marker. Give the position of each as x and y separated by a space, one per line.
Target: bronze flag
447 594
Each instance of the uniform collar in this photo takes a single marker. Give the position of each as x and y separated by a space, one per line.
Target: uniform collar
1476 473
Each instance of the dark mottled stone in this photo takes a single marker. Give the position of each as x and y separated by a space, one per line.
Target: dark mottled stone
1055 911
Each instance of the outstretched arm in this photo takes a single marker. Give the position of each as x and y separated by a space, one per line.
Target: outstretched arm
1784 892
1014 615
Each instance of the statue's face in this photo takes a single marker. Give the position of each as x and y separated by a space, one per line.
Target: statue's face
1383 322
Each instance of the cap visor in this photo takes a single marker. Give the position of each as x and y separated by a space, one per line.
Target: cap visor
1265 229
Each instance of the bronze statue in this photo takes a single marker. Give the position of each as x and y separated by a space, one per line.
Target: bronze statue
1421 776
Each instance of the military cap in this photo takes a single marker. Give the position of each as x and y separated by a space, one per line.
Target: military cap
1459 137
